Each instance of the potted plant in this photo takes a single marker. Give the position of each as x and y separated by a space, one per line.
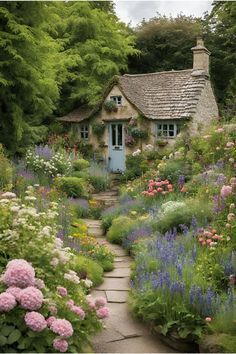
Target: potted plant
110 106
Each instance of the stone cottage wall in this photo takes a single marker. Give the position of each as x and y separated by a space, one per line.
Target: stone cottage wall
206 110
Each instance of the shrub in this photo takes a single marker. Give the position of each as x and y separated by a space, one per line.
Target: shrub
99 183
5 171
120 227
174 213
88 268
172 169
72 186
80 164
135 167
110 106
98 129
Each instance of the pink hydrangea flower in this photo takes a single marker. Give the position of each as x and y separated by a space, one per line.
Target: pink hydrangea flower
62 291
208 319
31 298
7 302
60 345
103 312
35 321
62 327
225 191
78 311
52 309
50 320
14 291
90 302
19 273
70 303
39 283
100 302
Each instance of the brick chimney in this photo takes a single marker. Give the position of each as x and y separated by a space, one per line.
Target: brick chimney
201 57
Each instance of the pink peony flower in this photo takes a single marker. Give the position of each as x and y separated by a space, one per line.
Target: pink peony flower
78 311
100 302
103 312
60 345
35 321
14 291
31 298
208 319
62 327
225 191
7 302
52 309
19 273
39 283
50 320
62 291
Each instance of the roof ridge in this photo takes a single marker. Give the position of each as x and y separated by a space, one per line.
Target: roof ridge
157 72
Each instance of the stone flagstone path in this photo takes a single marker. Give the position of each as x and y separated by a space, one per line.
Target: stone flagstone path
123 333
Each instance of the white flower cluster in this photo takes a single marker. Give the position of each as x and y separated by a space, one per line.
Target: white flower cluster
136 153
148 147
72 276
58 165
27 228
171 206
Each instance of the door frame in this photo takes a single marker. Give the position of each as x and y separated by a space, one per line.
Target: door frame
111 149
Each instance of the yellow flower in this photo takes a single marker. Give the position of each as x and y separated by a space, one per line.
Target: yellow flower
133 212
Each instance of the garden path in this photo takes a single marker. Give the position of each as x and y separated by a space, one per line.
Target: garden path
122 333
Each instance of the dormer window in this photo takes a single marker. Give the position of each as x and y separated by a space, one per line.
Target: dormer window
117 100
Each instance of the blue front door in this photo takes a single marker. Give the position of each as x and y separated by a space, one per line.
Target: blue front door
116 161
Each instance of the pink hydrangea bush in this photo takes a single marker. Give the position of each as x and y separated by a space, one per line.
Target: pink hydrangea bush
35 321
60 345
7 302
62 327
31 298
19 273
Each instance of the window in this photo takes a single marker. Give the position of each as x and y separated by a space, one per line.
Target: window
117 100
117 134
167 130
84 131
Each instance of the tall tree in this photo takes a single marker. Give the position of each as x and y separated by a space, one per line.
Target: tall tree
28 89
220 34
165 43
95 46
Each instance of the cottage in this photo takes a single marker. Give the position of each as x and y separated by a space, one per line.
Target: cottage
148 109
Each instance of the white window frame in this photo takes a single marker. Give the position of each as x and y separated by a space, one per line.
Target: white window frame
117 99
165 133
84 131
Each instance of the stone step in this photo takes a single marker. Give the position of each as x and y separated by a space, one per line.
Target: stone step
118 273
114 284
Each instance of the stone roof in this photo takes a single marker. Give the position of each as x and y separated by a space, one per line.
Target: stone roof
78 115
164 95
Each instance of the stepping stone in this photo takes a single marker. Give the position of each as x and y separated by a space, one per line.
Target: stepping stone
114 284
107 336
118 273
117 296
96 232
125 264
122 259
147 344
98 293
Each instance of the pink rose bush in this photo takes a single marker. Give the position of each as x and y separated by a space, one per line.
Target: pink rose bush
209 238
158 187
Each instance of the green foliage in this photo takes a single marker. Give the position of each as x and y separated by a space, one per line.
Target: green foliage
110 106
176 213
135 167
98 129
120 227
71 186
80 164
28 75
99 183
165 43
6 172
86 267
172 169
